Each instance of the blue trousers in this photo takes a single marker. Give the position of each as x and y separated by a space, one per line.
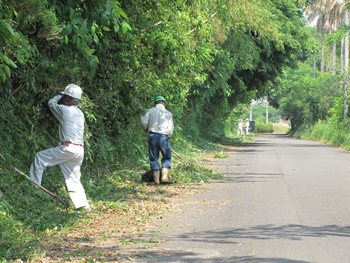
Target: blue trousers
159 143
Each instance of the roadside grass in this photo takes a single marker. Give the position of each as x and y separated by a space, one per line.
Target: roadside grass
36 228
323 131
221 155
280 129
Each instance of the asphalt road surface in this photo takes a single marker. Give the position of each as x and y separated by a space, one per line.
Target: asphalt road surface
282 200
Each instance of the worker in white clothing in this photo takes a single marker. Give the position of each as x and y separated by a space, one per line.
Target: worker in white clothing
240 128
246 126
69 154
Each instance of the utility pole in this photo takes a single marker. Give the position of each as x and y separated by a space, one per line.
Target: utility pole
251 112
346 69
267 110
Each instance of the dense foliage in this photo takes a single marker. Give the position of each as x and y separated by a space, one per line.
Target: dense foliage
304 99
204 56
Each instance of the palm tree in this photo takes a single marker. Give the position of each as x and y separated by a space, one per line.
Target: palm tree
329 15
335 15
316 12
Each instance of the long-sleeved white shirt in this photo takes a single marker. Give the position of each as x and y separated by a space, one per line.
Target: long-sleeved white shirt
71 121
158 120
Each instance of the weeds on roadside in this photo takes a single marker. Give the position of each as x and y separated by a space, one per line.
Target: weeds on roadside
220 155
280 129
327 132
32 218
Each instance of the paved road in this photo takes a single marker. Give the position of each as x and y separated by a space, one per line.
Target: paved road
282 200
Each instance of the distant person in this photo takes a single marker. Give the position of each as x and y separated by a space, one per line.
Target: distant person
159 123
246 126
69 154
240 128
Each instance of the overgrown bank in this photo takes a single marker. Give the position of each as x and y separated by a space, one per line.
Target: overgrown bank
332 129
205 57
326 132
34 225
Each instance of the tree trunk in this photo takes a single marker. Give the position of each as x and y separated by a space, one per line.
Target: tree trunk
322 52
342 56
332 62
314 67
346 68
267 110
251 111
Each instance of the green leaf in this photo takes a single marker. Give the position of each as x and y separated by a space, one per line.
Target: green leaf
68 29
7 70
3 75
8 61
96 40
89 51
121 13
93 69
95 58
59 10
104 20
126 27
93 28
7 27
72 14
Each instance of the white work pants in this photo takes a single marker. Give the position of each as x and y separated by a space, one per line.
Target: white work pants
69 158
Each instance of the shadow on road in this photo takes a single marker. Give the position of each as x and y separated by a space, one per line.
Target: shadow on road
246 178
233 236
183 256
269 231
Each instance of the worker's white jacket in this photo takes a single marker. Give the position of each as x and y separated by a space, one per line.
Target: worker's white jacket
158 120
71 119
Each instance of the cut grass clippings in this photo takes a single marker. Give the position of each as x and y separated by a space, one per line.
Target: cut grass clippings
124 209
114 234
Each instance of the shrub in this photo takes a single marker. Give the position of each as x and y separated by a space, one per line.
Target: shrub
261 126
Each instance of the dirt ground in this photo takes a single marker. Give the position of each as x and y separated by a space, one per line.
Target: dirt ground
114 236
117 236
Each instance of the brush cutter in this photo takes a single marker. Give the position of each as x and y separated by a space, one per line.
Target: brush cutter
177 154
44 189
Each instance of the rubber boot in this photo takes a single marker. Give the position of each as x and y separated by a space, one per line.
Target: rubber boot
156 175
165 176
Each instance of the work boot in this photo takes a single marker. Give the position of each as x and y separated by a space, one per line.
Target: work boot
156 175
165 176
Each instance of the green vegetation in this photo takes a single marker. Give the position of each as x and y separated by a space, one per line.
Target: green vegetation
205 57
331 131
262 127
314 95
281 128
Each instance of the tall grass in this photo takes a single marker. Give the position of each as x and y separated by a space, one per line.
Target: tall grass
280 129
262 127
332 133
27 214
